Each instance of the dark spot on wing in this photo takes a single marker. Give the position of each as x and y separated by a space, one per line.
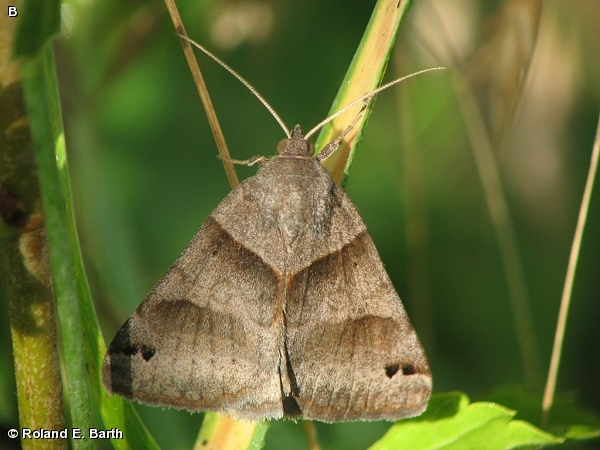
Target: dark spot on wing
391 370
147 352
408 369
127 351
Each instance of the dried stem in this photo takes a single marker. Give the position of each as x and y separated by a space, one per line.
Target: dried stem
204 96
568 287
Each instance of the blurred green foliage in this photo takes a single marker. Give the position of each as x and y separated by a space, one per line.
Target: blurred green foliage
145 175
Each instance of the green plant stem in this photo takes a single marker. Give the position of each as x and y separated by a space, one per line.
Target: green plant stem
39 83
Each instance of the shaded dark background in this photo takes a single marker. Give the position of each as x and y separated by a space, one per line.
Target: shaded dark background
145 174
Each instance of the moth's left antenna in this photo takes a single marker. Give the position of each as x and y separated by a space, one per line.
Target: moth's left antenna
243 81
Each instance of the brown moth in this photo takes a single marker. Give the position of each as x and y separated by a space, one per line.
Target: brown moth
279 307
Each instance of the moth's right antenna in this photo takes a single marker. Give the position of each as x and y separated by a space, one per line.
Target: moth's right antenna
366 98
243 81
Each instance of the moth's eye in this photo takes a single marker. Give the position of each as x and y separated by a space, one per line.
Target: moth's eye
311 148
282 145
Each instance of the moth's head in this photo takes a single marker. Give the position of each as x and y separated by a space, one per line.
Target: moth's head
296 145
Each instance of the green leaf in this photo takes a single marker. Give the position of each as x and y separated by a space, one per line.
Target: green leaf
582 432
38 21
568 419
450 422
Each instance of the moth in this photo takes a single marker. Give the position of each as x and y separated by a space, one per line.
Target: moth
279 307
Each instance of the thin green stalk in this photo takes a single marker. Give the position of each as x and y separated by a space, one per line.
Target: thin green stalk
568 287
41 97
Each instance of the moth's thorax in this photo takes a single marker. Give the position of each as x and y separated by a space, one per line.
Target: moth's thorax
297 201
290 201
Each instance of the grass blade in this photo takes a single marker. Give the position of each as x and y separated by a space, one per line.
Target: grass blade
364 75
44 117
